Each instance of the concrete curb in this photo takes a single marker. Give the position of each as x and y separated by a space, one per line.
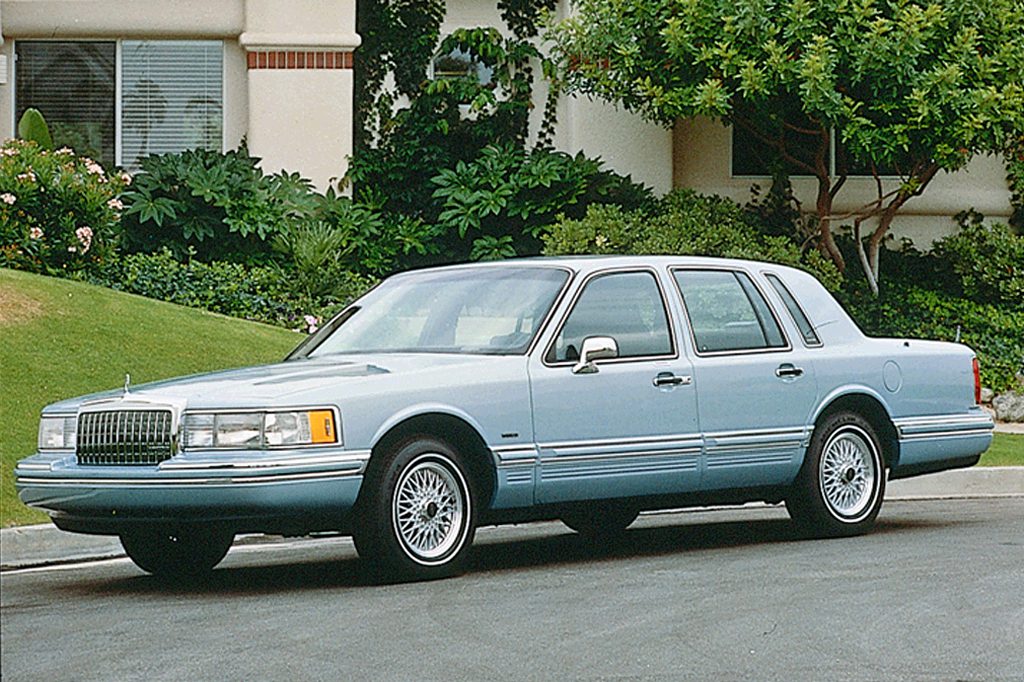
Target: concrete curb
44 545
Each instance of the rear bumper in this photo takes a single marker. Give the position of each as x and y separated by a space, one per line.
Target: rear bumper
938 443
258 493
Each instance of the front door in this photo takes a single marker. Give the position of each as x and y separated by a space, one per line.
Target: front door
630 427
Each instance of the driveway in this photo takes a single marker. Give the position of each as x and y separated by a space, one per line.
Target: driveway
934 594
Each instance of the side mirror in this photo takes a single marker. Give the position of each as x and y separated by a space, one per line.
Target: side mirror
595 348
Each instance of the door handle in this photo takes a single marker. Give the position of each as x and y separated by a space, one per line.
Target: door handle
670 379
788 370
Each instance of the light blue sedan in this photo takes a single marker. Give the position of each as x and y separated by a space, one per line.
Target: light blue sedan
583 389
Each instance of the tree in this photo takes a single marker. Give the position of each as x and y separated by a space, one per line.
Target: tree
913 87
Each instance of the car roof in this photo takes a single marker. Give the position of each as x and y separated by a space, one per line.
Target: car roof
589 263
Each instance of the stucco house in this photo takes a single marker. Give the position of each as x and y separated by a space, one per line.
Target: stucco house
129 78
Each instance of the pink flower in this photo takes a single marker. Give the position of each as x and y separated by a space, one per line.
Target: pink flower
115 204
84 235
93 167
311 322
35 233
28 176
8 198
125 178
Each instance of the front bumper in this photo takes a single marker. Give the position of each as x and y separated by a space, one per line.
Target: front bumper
253 491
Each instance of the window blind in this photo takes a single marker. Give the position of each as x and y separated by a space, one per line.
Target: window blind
171 97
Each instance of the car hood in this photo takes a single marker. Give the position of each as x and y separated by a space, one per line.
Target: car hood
292 382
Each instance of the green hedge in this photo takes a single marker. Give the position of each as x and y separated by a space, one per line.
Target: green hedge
686 223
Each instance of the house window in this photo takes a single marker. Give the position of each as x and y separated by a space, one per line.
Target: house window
171 97
73 85
120 101
752 156
460 64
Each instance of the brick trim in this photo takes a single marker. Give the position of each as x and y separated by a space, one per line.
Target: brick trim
299 59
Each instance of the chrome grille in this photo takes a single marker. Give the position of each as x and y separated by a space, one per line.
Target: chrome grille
124 437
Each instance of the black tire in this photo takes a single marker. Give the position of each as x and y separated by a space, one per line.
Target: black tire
172 553
416 516
597 520
841 485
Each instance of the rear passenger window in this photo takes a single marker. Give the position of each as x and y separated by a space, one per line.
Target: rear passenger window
795 311
727 312
626 306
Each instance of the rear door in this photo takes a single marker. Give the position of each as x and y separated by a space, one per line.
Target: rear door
756 390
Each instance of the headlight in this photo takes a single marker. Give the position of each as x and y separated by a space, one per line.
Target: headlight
260 429
58 433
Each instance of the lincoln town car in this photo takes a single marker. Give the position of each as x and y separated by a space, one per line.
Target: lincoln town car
582 389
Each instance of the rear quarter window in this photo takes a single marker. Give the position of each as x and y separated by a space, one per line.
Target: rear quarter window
807 332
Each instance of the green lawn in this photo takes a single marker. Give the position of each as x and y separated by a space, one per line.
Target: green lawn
60 339
1007 450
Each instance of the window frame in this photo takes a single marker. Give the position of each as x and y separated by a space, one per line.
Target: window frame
832 164
760 290
545 357
118 82
771 278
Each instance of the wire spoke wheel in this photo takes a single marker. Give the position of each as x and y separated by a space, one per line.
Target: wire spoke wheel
847 473
429 510
841 485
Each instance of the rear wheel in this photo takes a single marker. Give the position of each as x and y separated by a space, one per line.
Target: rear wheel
597 520
842 482
177 552
417 517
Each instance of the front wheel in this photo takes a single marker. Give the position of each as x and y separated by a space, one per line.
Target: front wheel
842 482
172 553
417 516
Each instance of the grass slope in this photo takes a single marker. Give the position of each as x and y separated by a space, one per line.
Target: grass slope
60 339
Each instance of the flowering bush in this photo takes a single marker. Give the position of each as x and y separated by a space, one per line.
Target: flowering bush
59 212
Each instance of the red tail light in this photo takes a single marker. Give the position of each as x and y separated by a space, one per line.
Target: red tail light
977 381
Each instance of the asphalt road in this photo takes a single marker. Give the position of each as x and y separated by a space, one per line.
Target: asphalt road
936 593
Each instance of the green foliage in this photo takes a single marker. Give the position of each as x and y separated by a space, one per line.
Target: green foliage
32 127
58 211
398 38
510 196
253 292
683 223
987 259
1014 157
220 205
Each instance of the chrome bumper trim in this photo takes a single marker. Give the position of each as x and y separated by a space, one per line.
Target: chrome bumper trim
350 457
944 426
175 482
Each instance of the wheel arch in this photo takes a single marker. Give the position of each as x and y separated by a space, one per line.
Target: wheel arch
871 407
453 430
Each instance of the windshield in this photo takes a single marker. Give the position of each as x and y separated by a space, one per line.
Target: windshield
462 310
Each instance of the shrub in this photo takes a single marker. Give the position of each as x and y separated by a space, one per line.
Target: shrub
58 211
254 292
221 205
988 260
683 223
509 196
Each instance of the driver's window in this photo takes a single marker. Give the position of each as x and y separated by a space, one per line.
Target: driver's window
626 306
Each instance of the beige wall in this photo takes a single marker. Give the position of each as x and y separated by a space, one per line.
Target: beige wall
294 119
702 153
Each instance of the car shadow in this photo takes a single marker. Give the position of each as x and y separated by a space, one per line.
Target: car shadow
489 556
